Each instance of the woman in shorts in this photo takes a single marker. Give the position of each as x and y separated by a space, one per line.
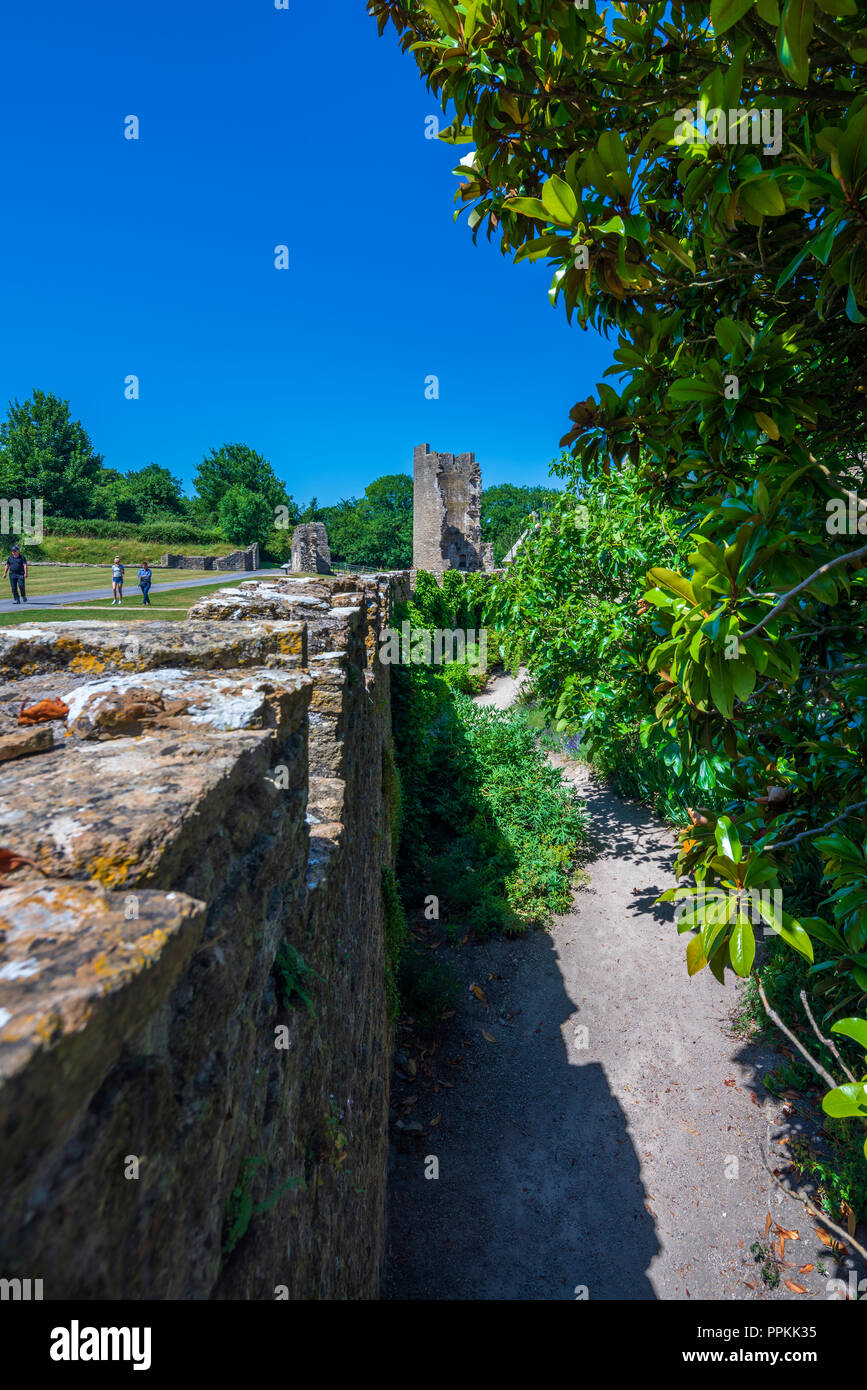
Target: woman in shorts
117 582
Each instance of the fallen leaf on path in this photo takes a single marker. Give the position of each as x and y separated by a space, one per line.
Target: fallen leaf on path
781 1247
42 711
435 1121
823 1236
479 993
787 1235
749 1285
489 1036
806 1269
768 1221
796 1288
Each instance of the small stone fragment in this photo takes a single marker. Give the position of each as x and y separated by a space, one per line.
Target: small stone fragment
22 744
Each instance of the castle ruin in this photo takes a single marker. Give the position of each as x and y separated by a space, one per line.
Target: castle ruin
311 553
446 517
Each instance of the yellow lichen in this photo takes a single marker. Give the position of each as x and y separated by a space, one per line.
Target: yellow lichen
87 665
111 869
151 945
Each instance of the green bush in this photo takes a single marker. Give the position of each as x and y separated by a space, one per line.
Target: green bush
489 827
172 532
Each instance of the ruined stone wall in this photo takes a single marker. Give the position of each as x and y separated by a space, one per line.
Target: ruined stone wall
213 796
247 559
310 551
446 517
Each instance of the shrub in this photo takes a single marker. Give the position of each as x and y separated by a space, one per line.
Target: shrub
172 532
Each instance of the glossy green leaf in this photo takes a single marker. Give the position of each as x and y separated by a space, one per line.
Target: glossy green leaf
846 1100
560 201
852 1028
742 948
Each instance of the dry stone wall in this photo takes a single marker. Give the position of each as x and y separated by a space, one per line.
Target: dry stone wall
247 559
205 828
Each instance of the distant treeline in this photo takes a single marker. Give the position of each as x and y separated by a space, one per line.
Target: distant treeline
238 498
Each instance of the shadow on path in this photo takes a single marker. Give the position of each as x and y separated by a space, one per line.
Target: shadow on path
539 1187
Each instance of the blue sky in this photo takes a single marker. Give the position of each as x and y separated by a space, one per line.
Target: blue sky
155 257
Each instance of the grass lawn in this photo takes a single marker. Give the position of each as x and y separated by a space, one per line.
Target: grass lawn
68 581
90 550
171 604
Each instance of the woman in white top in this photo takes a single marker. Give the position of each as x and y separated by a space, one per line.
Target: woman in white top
117 581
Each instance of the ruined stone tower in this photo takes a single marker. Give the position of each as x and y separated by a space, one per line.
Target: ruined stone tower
310 550
447 501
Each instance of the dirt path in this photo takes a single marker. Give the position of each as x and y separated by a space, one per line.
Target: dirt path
608 1138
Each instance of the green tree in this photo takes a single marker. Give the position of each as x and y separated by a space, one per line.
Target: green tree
375 530
729 258
383 522
156 491
237 465
506 513
146 494
45 453
245 516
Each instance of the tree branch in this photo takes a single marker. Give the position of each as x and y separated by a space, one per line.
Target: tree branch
775 1018
826 1042
805 584
805 834
845 1237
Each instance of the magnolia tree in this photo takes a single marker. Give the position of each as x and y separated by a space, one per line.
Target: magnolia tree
695 175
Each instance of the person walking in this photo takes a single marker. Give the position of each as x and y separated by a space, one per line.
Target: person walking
144 582
117 582
16 568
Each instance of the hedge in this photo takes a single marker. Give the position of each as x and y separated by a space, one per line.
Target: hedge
96 528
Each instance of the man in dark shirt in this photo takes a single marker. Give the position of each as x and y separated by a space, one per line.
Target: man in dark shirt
16 568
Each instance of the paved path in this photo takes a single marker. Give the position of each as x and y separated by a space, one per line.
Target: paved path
608 1138
132 594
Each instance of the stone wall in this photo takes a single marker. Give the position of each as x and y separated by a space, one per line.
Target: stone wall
211 804
310 551
247 559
